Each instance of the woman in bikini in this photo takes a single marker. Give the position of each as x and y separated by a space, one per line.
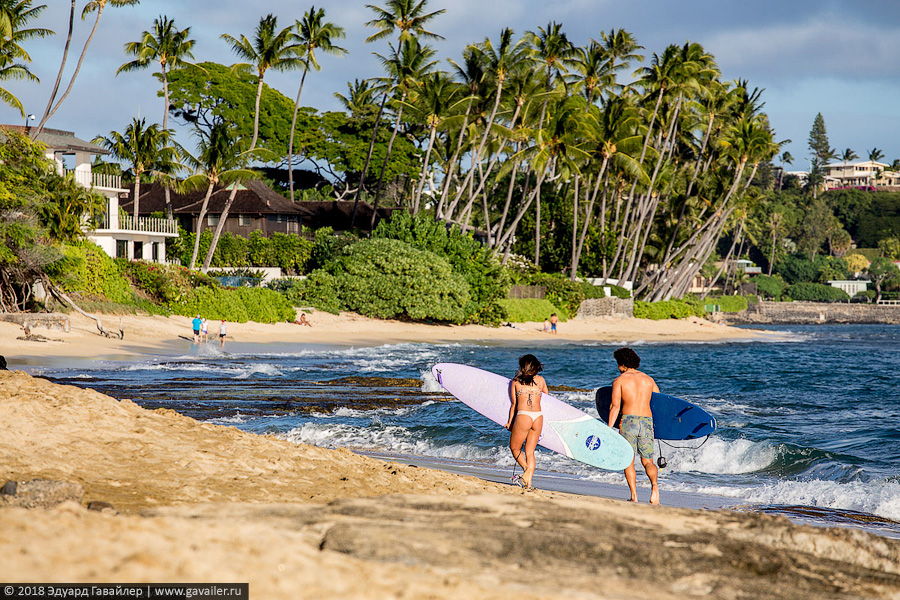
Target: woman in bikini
525 417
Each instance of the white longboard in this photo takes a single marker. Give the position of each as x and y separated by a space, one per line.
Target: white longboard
566 430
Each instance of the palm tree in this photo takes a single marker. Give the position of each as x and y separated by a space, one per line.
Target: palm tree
875 154
91 6
406 68
146 148
359 96
219 162
409 18
269 49
847 156
786 159
169 47
14 16
313 33
406 16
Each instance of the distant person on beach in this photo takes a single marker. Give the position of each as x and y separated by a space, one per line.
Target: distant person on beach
553 322
204 331
525 417
303 321
196 324
631 392
546 325
223 331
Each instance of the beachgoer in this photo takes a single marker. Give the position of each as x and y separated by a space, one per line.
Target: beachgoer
222 332
303 321
553 321
196 324
631 392
204 331
525 417
546 325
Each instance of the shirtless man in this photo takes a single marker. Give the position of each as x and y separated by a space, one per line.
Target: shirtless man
631 393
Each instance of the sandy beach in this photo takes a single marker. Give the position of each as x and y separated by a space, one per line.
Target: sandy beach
155 334
196 502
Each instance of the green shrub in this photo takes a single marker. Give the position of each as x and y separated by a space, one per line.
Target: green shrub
87 269
318 290
770 287
287 251
239 305
521 310
667 309
730 303
816 292
618 291
488 281
387 278
566 294
328 246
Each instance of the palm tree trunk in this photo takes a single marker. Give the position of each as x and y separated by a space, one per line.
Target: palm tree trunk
291 139
200 225
48 114
259 89
220 226
451 168
724 262
509 193
587 216
387 158
575 227
362 176
62 65
165 124
421 185
137 197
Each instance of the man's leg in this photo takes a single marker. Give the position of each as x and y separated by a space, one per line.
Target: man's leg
631 478
652 472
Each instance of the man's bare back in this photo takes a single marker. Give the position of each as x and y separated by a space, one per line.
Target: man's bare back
633 390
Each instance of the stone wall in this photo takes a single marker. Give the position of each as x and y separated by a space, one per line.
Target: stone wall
814 312
606 307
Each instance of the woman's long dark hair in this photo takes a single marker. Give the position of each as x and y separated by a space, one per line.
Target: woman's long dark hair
529 366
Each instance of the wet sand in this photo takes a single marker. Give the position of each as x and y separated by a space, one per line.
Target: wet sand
198 502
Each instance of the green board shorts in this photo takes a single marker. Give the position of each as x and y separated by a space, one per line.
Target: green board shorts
639 433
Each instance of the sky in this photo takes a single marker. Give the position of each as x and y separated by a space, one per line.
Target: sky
837 57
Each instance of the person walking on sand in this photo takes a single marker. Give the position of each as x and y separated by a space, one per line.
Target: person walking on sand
525 417
553 322
631 392
204 331
222 332
196 324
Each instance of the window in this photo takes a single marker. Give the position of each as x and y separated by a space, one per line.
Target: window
245 220
139 250
155 252
212 220
121 249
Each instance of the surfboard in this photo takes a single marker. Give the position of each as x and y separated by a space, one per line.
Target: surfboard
566 430
673 418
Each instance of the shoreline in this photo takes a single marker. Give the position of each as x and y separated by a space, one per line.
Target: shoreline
165 335
203 503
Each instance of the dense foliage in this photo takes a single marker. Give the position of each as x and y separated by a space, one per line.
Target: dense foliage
668 309
288 251
816 292
523 310
388 278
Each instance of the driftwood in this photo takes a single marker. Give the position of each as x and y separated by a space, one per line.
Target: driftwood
61 296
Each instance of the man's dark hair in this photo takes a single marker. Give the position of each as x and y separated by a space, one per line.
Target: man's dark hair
627 357
2 364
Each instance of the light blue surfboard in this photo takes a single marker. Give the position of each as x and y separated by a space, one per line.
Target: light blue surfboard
566 430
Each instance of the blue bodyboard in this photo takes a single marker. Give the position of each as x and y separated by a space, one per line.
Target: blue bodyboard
673 418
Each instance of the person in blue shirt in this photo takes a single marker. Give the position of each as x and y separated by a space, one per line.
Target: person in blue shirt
196 324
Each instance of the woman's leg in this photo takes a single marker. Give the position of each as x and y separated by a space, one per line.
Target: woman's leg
531 440
518 434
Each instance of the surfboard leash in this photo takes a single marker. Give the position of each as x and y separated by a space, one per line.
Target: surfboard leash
661 461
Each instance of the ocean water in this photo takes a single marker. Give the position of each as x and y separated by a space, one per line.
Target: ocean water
808 426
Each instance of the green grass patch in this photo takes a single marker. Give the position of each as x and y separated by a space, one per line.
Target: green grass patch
521 310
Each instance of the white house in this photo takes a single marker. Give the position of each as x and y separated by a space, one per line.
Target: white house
851 286
866 174
120 236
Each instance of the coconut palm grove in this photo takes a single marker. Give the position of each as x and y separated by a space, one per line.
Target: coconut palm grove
588 167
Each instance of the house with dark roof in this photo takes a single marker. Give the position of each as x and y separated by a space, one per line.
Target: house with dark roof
118 235
256 207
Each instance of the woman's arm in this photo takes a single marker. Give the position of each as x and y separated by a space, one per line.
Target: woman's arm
512 404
